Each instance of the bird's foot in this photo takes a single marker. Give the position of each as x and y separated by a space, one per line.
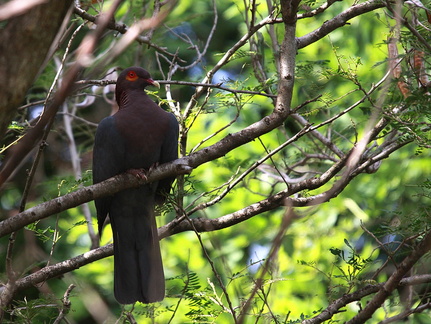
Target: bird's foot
139 173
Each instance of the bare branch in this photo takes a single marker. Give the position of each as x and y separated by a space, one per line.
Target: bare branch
226 57
64 267
66 304
220 86
122 29
16 7
318 10
339 21
388 287
341 302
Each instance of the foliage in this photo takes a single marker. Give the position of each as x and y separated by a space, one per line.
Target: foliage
343 173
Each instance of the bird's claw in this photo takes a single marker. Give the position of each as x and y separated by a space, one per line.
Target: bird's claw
139 173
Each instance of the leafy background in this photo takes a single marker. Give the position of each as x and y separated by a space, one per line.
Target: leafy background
327 251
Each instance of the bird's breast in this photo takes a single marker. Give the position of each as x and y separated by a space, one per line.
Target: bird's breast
142 134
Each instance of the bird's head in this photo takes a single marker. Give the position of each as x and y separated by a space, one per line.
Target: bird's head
133 78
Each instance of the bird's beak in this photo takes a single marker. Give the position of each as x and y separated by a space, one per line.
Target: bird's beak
154 83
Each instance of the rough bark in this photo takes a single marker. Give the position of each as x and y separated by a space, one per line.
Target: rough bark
25 42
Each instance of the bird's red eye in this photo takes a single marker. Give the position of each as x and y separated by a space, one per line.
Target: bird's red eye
132 76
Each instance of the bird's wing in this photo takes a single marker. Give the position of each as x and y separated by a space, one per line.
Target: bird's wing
107 161
168 153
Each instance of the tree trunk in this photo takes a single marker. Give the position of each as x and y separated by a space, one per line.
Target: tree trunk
24 45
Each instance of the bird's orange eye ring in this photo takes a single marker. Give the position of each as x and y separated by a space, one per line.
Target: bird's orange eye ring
132 76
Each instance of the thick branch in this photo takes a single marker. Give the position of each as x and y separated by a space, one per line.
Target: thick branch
179 225
73 199
64 267
182 166
207 225
122 182
107 250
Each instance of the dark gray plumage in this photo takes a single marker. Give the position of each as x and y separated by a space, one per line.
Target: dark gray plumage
138 136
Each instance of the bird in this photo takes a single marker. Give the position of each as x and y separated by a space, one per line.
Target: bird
138 137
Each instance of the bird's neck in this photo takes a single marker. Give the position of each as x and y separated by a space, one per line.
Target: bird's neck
129 98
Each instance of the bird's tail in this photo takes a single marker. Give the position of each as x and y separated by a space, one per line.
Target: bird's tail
138 268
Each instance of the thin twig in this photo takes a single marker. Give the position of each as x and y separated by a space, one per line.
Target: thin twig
286 221
214 270
231 185
66 305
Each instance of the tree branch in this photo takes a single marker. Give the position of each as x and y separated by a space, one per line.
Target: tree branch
64 266
341 302
122 29
339 21
389 286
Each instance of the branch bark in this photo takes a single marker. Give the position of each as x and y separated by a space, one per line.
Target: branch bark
339 21
341 302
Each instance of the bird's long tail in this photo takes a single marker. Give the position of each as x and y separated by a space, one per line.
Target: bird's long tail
138 268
